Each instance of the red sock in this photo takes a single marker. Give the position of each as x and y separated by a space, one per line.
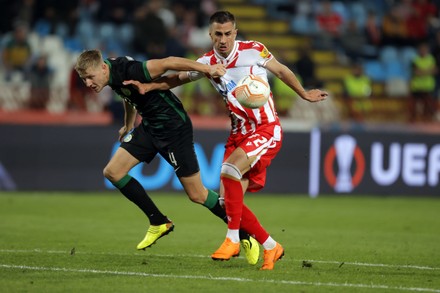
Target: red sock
250 224
233 202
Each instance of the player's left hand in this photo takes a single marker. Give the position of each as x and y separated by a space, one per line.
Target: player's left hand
315 95
142 88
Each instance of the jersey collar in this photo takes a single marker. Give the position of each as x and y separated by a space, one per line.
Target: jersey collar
231 57
110 79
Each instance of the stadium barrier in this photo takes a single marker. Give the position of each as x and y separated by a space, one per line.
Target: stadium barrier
61 158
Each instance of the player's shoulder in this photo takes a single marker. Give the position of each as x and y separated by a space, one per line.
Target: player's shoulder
121 59
208 54
250 45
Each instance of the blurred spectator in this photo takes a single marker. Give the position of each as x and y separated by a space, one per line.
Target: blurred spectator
305 67
186 25
357 91
417 27
40 76
150 32
173 46
426 8
17 53
208 7
354 43
115 11
56 17
330 26
281 9
394 28
26 12
422 85
404 8
373 30
86 28
115 31
284 97
302 21
428 11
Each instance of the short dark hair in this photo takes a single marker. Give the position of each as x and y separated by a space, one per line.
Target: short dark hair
222 17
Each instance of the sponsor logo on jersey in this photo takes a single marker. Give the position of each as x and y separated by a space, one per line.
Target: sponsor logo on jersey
264 53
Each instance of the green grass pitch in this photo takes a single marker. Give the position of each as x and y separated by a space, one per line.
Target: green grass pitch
86 242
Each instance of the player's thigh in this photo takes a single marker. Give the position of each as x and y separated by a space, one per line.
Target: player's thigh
179 152
138 146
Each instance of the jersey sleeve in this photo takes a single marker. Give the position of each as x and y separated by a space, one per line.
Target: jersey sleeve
264 54
132 69
138 71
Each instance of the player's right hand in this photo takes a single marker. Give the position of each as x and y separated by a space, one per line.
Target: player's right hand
142 88
217 70
123 132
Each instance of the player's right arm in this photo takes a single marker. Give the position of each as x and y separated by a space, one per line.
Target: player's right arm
129 120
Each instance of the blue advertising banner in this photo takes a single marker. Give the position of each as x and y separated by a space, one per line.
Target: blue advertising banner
52 158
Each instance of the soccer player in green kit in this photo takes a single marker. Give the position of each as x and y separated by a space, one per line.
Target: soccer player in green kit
166 129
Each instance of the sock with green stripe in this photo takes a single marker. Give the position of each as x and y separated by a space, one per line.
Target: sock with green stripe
213 204
134 191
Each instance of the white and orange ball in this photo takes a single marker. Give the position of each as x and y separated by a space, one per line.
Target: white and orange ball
252 91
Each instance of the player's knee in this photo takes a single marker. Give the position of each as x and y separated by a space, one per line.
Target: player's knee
230 170
197 196
110 174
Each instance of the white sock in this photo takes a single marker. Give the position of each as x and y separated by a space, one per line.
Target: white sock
233 235
269 244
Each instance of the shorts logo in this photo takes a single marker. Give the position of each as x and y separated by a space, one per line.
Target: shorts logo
128 137
344 150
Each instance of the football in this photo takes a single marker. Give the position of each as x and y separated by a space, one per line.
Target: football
252 91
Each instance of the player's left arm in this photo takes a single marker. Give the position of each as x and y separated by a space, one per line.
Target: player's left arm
289 78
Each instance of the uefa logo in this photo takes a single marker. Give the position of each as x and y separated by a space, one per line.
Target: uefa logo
339 161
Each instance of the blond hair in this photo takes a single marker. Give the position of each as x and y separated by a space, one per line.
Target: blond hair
88 59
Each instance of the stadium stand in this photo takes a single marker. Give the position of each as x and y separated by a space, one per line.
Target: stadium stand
284 26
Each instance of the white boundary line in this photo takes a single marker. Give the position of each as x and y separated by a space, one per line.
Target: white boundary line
416 267
286 282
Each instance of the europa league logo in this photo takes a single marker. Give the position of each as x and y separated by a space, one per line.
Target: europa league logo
345 146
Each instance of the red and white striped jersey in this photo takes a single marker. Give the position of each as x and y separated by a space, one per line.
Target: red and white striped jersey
247 57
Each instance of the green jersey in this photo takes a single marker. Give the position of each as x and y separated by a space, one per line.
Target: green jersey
161 111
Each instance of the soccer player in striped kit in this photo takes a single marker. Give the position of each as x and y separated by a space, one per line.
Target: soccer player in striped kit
256 134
